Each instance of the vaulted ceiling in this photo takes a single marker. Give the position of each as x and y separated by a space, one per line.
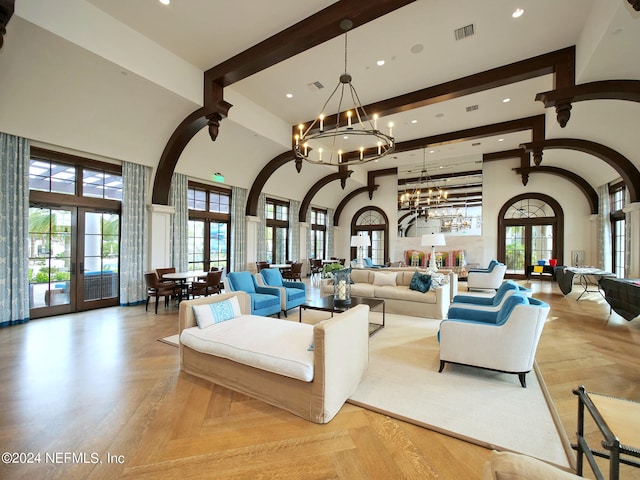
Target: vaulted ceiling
115 78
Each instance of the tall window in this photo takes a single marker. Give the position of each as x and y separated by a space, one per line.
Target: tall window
373 222
618 227
277 220
318 232
209 224
74 233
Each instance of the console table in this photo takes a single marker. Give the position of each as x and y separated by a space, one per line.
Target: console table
622 295
540 269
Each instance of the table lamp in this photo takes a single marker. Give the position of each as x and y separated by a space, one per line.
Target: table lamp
435 240
360 241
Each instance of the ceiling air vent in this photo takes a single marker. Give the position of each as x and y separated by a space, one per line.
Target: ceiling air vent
471 108
315 86
464 32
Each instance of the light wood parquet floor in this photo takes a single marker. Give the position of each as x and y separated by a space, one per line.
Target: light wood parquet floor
98 397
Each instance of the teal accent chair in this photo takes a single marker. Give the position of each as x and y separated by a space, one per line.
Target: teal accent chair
265 301
489 304
292 294
368 263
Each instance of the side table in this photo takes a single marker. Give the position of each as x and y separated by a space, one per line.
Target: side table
610 415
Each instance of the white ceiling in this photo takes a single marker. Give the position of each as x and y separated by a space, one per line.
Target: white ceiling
83 74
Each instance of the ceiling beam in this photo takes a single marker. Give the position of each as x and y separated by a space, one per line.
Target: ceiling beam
6 12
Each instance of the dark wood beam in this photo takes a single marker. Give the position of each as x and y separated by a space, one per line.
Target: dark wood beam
589 192
621 164
306 201
251 208
442 176
302 36
563 98
635 4
561 63
350 196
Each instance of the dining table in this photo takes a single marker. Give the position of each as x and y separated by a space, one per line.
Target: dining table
182 280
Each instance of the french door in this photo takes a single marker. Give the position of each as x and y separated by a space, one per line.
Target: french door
73 259
526 244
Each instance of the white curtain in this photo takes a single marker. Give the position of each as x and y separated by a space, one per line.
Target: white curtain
261 241
604 229
238 259
309 235
133 245
628 232
330 233
294 229
14 229
179 222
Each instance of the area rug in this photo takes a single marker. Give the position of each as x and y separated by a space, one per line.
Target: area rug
487 408
170 340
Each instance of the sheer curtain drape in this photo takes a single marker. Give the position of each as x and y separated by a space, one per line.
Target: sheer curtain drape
294 228
309 236
133 245
261 241
628 232
604 229
14 229
330 233
238 239
179 222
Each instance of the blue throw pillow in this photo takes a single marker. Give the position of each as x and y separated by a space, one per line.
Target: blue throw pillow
420 282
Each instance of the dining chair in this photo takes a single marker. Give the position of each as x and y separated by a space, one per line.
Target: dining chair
161 271
293 273
316 269
208 286
261 265
157 289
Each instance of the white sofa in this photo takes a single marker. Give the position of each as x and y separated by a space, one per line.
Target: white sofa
374 283
271 359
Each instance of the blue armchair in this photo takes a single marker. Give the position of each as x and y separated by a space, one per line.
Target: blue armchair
265 301
368 263
490 304
292 294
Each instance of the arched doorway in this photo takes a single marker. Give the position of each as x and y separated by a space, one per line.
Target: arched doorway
375 223
530 228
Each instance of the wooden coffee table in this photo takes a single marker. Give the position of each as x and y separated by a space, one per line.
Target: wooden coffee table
325 304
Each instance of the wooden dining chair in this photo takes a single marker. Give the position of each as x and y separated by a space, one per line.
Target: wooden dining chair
209 286
261 265
157 289
294 273
161 271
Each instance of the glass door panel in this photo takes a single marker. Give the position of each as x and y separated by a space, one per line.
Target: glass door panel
195 249
100 264
50 260
281 245
218 244
541 243
377 247
515 249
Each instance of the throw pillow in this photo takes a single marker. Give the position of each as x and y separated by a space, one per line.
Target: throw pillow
382 279
420 282
212 313
437 280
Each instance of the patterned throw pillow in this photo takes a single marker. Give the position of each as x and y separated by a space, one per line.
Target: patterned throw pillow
212 313
420 282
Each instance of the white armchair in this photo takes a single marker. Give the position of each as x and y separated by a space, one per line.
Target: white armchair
486 278
508 345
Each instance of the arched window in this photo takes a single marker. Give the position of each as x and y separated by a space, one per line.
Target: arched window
530 228
375 223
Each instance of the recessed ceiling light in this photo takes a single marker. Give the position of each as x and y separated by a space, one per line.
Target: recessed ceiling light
289 95
380 63
414 121
517 13
165 2
501 139
506 100
432 151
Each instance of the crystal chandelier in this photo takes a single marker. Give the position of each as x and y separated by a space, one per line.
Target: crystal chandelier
349 137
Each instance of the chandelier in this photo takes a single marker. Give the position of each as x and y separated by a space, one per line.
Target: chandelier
435 196
349 137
